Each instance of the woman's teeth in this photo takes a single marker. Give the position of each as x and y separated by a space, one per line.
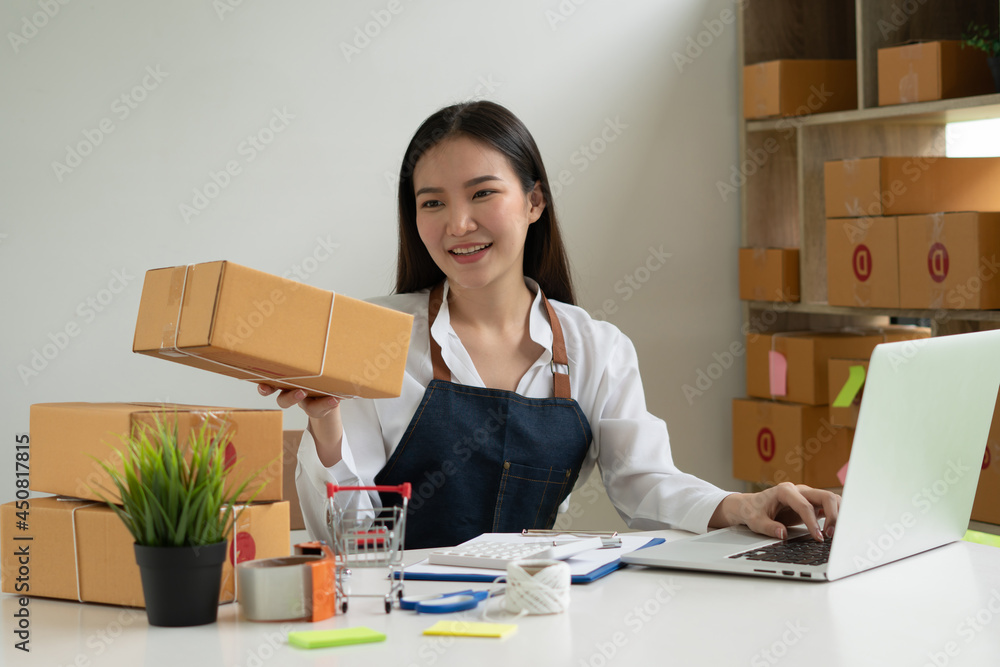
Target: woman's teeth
470 250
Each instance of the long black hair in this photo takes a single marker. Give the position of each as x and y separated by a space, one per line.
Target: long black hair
494 125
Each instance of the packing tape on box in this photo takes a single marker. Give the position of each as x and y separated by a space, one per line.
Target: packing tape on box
937 227
76 556
171 349
293 588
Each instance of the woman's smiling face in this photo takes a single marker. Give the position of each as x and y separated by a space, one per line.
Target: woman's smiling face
472 213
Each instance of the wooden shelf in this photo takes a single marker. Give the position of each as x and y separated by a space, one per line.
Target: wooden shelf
937 112
779 174
827 309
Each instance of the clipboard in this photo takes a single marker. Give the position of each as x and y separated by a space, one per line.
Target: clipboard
584 568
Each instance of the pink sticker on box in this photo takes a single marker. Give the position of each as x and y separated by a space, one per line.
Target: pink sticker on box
777 373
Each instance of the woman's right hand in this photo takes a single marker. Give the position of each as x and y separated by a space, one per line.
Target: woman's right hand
316 407
324 420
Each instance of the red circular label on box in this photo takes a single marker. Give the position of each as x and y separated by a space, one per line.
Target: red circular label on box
862 262
986 458
242 548
230 456
937 262
765 444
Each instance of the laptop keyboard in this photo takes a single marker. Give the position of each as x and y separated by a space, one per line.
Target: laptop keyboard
803 550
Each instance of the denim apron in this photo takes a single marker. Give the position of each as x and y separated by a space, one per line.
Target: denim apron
486 460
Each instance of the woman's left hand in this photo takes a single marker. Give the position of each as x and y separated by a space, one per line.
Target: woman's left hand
771 511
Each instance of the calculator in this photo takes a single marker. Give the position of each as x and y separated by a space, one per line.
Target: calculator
495 555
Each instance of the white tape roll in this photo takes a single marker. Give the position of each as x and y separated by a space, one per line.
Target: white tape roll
537 587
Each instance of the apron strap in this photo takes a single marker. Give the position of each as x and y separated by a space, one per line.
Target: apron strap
560 381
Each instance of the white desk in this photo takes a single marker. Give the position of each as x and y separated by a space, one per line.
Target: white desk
907 613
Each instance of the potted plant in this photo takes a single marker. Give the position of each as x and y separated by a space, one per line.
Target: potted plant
174 503
980 36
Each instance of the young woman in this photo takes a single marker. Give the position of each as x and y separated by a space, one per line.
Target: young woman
511 392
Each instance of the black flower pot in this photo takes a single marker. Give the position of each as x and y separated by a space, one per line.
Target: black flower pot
994 62
181 584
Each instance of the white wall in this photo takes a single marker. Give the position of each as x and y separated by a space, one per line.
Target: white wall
570 69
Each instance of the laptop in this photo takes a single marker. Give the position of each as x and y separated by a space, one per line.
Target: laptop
914 467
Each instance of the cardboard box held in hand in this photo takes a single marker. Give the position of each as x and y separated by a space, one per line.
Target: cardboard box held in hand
251 325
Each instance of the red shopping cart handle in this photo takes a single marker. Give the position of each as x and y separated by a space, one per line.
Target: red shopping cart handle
403 489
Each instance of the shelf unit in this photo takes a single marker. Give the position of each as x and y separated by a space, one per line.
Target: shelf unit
782 200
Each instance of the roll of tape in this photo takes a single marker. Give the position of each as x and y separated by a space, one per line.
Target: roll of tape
537 587
292 588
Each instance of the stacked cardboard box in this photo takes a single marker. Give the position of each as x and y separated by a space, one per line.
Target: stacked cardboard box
799 87
934 70
920 233
229 319
913 232
769 274
247 324
784 431
80 549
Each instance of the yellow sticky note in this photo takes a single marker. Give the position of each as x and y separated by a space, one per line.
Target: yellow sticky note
469 629
851 387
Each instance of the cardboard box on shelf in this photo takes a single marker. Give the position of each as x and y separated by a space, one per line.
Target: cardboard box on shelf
862 266
874 186
769 274
799 87
986 507
843 378
100 555
949 260
934 70
69 441
247 324
781 442
289 490
792 366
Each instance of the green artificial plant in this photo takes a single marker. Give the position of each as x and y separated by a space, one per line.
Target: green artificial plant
980 36
174 495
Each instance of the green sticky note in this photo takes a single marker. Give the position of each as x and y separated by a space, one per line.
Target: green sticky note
851 387
982 538
341 637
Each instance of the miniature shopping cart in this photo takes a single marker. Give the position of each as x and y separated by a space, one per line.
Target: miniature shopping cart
370 537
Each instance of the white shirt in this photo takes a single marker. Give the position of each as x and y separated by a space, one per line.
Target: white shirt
630 445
